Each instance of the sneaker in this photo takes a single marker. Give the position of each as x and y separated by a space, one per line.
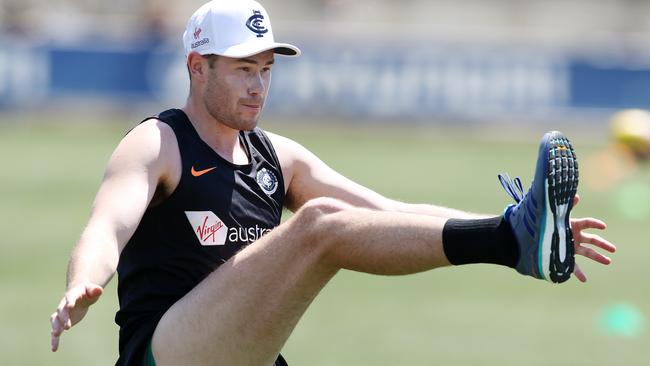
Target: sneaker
540 219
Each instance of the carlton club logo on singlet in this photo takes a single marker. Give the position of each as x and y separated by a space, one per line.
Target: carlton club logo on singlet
267 181
211 230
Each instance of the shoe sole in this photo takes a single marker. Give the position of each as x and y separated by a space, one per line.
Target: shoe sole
556 249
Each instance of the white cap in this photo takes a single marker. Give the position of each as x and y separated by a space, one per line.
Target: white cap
232 28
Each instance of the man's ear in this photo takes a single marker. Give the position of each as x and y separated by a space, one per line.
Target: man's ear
197 66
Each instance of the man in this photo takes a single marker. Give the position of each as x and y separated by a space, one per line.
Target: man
188 213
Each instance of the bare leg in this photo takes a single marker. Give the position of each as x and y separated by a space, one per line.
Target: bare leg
243 313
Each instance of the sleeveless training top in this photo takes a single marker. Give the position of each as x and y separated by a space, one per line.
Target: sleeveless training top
216 210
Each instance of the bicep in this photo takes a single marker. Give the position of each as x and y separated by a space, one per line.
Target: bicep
132 176
120 203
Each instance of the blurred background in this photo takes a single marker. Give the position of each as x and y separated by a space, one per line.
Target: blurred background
423 101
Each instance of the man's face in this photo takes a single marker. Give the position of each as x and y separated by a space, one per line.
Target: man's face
236 89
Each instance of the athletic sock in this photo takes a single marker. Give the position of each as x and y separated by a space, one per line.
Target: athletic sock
480 241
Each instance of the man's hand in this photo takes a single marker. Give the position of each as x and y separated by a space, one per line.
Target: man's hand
580 238
72 308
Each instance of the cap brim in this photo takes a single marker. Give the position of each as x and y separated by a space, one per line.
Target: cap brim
248 49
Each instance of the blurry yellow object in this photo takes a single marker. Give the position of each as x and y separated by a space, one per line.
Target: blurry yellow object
630 128
608 168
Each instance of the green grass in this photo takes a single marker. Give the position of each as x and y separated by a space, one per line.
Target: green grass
471 315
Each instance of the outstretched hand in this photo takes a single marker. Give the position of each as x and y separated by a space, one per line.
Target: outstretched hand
72 308
581 238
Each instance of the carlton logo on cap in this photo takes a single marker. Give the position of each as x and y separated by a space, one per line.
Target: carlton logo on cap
254 23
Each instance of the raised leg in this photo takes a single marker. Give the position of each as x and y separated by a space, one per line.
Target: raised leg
243 313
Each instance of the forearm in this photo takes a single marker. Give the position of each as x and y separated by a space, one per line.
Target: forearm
94 258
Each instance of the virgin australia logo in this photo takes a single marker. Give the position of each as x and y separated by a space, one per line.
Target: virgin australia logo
254 23
211 230
197 35
208 227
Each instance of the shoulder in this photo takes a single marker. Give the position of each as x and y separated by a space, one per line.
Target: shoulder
289 152
284 144
148 140
151 130
150 146
294 157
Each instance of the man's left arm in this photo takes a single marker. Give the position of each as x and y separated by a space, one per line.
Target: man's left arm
307 177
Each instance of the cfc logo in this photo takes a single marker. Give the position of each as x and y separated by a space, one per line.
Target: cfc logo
254 23
267 181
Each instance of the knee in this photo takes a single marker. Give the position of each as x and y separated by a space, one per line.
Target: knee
317 219
322 228
320 206
316 210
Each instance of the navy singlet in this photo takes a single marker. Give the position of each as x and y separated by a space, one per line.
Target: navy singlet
217 208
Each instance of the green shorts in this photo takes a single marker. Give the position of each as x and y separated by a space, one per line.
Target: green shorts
148 356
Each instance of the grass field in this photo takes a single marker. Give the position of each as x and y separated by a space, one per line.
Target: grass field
472 315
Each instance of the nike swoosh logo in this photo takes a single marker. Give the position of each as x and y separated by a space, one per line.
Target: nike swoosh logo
198 173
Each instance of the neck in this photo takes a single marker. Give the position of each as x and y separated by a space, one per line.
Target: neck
221 138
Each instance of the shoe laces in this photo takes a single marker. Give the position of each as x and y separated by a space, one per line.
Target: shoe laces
513 187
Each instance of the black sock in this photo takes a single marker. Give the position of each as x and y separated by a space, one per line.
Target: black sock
480 241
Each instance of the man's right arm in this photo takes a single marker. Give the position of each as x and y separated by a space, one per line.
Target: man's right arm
145 163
